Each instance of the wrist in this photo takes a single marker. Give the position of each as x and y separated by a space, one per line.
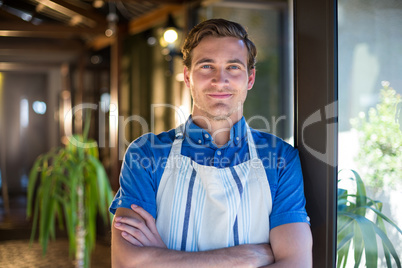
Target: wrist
257 255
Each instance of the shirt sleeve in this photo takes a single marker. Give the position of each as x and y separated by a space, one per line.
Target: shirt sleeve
289 200
137 178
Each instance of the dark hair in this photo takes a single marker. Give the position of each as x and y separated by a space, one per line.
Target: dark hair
218 28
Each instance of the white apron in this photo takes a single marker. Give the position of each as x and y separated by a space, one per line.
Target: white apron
203 207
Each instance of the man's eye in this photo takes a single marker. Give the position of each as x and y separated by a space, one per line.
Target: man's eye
234 67
206 66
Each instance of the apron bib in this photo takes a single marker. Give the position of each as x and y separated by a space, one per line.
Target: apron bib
203 207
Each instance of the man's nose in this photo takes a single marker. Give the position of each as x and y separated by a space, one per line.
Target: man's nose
220 78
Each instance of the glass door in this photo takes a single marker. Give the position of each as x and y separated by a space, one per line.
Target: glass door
370 133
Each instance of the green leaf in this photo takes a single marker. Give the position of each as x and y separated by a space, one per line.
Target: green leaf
343 221
92 148
59 210
343 253
45 214
387 255
358 245
90 215
361 198
388 245
345 241
32 183
367 240
70 228
382 216
86 126
35 220
103 186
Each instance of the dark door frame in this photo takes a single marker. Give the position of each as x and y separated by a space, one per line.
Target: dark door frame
316 118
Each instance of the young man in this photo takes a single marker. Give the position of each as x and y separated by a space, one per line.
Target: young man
213 192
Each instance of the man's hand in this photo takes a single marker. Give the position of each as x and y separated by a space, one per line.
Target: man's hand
139 232
137 243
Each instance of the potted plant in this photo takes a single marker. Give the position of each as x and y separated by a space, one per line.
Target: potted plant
69 186
379 134
357 231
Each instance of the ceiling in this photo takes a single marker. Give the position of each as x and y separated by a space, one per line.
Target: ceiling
54 31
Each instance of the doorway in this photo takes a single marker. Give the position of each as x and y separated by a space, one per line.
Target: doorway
25 121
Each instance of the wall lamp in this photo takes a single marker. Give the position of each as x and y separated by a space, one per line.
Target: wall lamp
170 38
170 41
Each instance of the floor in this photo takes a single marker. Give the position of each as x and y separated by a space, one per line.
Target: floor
16 251
19 254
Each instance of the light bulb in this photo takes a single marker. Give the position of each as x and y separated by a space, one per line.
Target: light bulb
170 36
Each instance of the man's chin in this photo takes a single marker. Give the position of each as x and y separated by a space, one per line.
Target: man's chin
220 117
219 112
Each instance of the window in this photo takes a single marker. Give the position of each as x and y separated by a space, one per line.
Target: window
370 137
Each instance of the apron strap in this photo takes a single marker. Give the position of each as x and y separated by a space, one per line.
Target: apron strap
251 145
179 136
179 132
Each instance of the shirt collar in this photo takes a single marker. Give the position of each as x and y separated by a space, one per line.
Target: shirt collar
200 136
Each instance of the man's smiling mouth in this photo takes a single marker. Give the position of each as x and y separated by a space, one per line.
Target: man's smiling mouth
222 95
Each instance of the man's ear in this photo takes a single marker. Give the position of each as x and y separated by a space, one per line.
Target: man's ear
186 73
251 79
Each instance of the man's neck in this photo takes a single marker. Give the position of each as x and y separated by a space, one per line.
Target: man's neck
219 129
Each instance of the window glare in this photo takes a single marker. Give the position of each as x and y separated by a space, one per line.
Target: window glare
24 113
39 107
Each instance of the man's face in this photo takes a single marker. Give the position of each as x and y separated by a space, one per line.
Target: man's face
219 78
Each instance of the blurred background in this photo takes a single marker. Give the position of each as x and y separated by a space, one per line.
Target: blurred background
121 60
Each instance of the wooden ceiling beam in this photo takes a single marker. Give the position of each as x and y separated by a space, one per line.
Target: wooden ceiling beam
14 44
139 24
101 42
153 18
23 29
28 67
89 12
164 2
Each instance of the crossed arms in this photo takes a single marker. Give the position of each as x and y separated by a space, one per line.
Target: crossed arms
137 243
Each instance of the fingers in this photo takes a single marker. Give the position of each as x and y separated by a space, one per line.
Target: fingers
135 228
141 229
155 239
149 220
131 239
